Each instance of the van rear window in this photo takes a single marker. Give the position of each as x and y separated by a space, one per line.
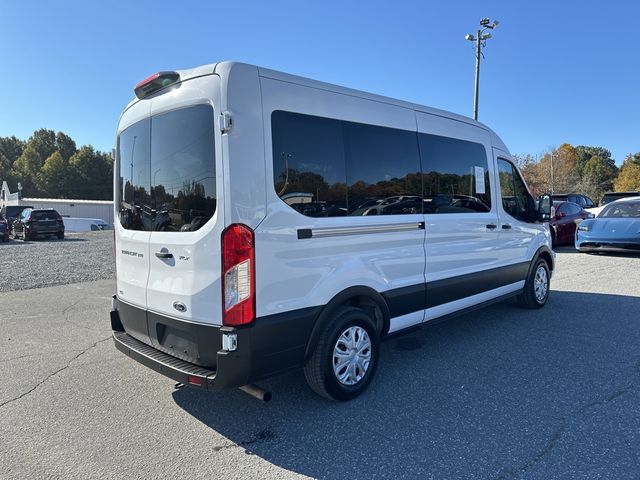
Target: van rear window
167 174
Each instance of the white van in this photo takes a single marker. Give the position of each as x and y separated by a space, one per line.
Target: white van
242 247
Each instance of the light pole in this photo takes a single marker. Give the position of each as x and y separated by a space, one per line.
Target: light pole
480 40
552 179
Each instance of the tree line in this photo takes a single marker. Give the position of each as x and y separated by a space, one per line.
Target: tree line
50 165
580 169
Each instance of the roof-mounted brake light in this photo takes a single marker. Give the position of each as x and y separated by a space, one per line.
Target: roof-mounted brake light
155 82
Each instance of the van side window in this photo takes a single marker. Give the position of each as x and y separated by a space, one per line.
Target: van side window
514 192
383 170
308 164
326 168
455 175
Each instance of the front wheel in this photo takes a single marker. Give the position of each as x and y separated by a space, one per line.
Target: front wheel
536 288
346 356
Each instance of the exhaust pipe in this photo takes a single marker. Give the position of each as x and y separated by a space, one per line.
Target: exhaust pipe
256 392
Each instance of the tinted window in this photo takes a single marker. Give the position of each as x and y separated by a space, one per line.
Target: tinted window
167 171
383 170
513 190
308 164
45 215
325 168
135 176
456 175
183 176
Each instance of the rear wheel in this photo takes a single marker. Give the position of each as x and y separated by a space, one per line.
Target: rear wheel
536 288
346 356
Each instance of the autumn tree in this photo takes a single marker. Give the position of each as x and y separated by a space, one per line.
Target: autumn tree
629 176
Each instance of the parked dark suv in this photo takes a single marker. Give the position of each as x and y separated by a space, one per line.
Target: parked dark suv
33 223
612 196
4 229
582 200
12 212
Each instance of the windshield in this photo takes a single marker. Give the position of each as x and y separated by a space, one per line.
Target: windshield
167 174
621 210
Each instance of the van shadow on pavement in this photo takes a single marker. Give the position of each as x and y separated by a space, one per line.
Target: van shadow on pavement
497 393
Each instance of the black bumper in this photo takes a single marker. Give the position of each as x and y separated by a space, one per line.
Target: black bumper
269 346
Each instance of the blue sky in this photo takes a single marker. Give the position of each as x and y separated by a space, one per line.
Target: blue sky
554 71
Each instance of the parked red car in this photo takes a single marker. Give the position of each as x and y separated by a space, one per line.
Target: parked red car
563 223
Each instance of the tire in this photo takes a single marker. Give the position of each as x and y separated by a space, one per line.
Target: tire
536 288
349 324
60 235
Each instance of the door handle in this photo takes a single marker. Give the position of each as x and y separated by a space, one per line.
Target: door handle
506 226
492 226
164 254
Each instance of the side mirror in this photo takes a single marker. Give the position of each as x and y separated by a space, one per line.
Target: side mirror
544 208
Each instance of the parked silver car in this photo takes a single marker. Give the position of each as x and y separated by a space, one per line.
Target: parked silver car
616 228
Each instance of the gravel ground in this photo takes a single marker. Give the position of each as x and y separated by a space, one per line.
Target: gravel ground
80 257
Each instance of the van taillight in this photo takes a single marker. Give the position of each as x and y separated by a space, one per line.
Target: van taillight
238 275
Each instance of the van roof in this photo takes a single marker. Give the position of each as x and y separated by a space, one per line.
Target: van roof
224 68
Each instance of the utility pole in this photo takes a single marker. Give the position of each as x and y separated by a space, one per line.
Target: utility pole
480 39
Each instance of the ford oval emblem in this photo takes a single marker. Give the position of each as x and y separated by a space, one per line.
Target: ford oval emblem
181 307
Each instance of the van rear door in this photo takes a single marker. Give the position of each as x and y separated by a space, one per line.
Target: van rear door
186 209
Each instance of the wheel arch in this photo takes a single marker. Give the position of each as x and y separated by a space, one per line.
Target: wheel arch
358 296
546 254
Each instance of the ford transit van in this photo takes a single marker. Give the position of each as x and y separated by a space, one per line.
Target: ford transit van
266 222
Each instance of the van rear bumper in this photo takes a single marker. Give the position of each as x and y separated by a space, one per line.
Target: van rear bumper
232 370
271 345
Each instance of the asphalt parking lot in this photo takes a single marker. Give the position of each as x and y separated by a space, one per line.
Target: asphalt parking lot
500 393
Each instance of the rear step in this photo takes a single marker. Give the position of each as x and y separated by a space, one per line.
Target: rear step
183 372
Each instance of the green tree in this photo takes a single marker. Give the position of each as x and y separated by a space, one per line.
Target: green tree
65 145
629 176
26 168
5 168
53 178
597 177
11 148
584 154
44 142
91 174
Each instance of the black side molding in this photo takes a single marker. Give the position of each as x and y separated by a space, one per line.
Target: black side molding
304 233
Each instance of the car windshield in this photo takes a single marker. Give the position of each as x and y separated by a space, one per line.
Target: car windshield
622 210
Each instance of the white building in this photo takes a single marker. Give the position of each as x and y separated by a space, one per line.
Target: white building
102 209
